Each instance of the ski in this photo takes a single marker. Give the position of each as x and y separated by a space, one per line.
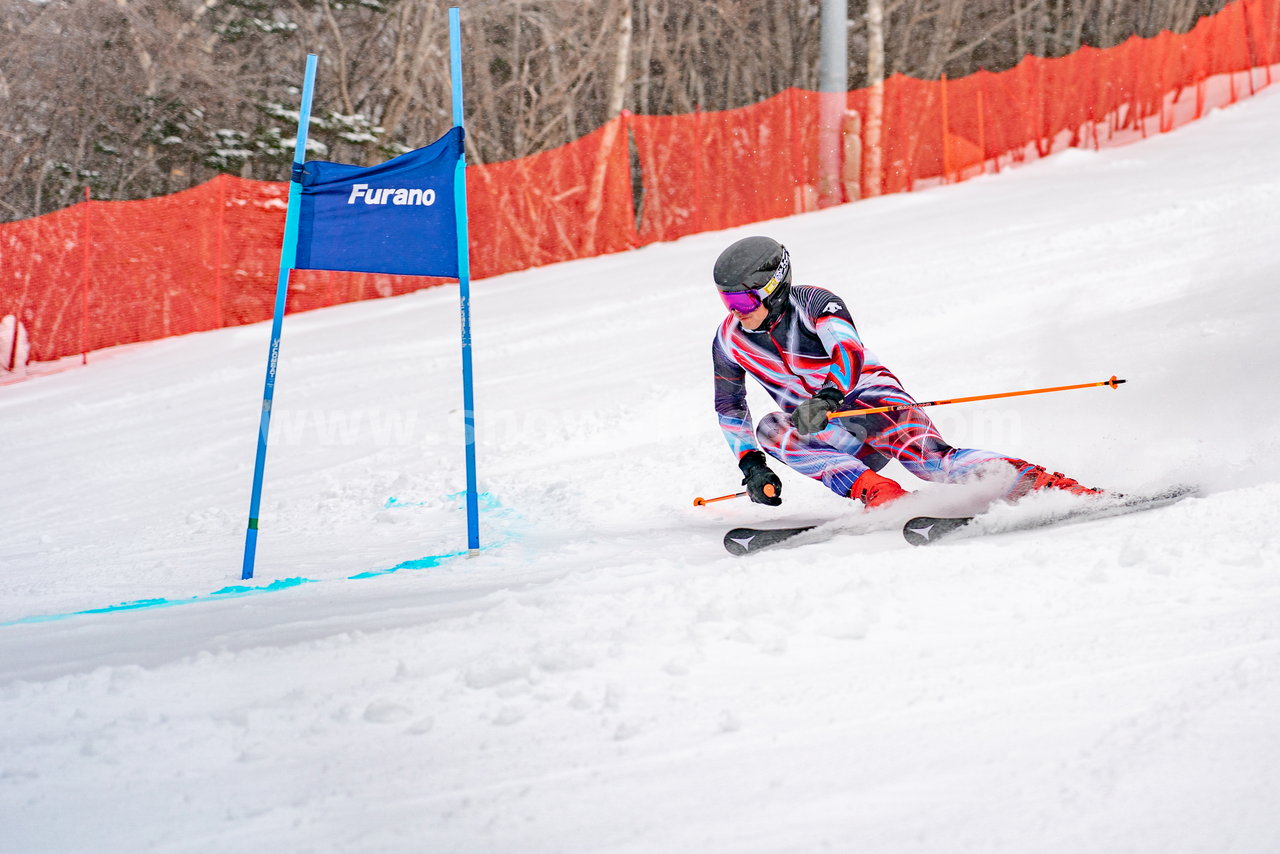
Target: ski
927 530
744 541
741 541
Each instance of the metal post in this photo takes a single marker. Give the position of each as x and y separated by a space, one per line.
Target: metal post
833 85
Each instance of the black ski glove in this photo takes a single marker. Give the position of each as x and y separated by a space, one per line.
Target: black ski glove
811 416
763 486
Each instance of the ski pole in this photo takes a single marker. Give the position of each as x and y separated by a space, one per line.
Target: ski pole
699 502
1111 383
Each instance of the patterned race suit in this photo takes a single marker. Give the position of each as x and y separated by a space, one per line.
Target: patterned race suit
811 345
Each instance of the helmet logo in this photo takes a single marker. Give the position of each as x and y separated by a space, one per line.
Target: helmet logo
779 275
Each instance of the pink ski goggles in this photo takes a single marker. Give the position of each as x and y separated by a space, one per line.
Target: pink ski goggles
743 302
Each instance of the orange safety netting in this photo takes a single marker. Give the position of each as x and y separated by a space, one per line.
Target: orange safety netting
706 171
571 202
105 273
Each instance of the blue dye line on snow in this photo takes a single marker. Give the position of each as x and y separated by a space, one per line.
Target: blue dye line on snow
140 604
488 501
417 563
235 592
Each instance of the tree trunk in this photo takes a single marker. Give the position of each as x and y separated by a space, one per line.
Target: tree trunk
617 98
873 149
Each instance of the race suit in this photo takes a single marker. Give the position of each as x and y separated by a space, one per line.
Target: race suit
812 344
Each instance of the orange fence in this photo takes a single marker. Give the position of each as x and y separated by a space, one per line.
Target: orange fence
706 171
104 273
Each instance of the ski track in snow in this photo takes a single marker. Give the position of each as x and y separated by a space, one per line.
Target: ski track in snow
605 677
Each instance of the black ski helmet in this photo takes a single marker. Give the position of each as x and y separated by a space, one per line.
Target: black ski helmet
759 264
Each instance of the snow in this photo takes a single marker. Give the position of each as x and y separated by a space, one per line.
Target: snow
603 677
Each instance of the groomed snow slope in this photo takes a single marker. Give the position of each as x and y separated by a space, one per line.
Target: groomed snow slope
603 677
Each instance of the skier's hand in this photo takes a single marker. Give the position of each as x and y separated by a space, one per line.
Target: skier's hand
763 486
811 416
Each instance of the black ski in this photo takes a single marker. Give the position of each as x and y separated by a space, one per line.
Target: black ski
741 541
927 530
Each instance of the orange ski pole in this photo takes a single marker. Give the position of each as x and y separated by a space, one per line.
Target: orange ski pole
1111 383
699 502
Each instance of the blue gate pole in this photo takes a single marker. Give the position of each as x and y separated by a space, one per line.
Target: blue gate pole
288 257
464 288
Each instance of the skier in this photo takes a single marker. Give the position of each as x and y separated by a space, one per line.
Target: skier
801 345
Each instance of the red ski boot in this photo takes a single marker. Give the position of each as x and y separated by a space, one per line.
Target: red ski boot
875 491
1034 478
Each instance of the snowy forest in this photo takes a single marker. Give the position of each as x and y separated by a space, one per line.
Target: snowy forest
138 98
